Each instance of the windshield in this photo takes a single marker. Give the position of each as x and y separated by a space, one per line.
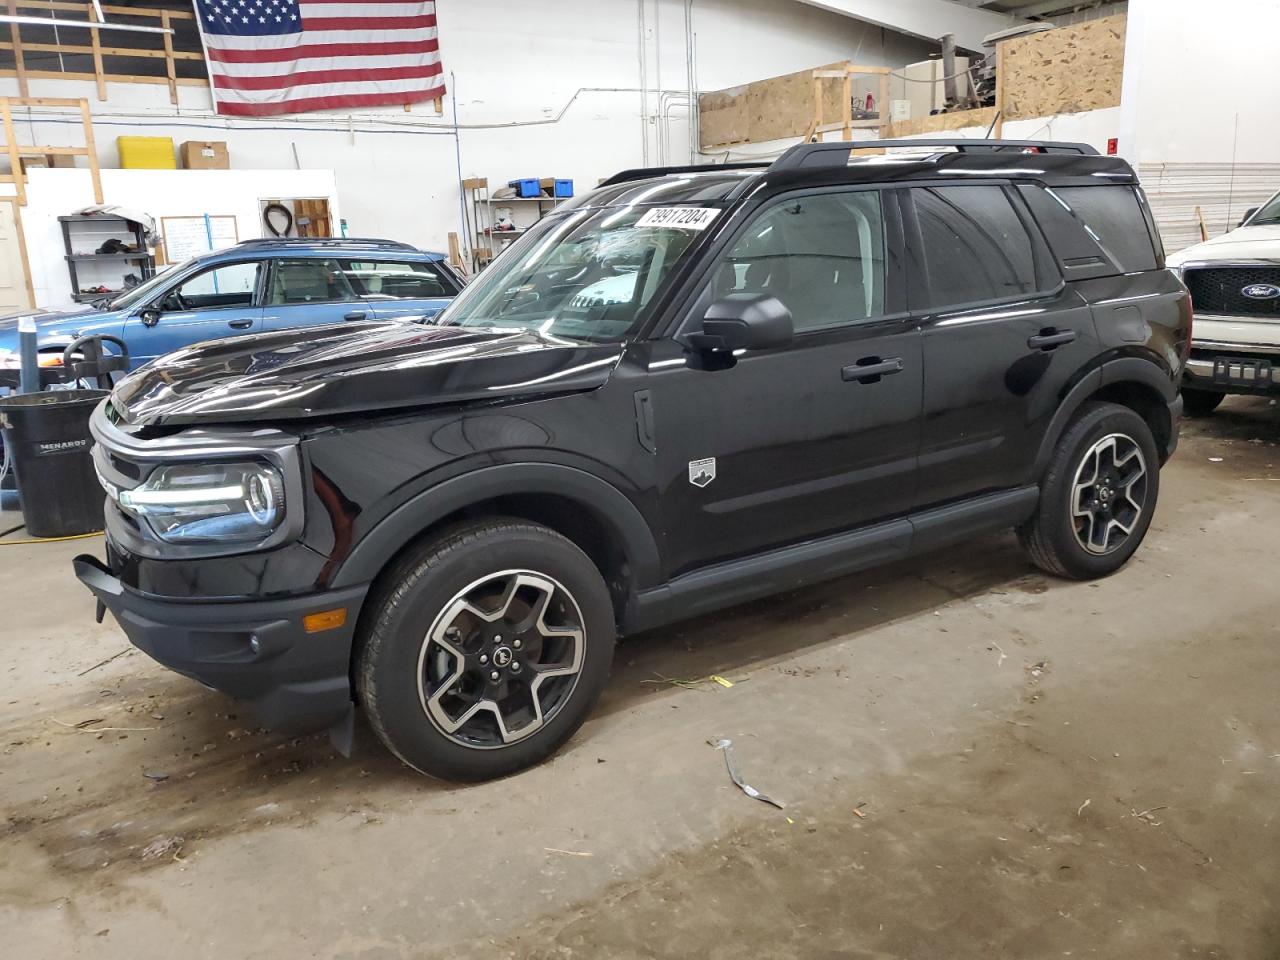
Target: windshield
583 274
144 291
1269 212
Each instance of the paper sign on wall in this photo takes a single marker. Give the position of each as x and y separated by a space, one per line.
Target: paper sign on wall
187 237
679 218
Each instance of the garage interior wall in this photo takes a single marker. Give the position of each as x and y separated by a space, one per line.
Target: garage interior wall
1198 110
541 90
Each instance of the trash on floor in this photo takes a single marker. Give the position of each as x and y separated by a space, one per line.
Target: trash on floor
750 791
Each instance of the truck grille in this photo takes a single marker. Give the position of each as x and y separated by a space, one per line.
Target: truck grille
1220 290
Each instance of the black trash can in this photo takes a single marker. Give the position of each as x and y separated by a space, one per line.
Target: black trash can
47 434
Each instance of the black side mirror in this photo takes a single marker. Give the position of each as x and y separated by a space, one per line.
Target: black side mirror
1247 214
149 316
743 321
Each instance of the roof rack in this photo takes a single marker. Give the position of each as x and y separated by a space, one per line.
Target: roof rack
326 242
808 155
644 173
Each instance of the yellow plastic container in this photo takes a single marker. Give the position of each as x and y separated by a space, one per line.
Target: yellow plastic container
147 153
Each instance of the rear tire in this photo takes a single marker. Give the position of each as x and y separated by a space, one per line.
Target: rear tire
487 648
1200 403
1098 495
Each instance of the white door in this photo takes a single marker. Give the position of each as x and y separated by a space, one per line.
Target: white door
13 277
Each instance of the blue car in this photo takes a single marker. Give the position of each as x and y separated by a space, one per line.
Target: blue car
259 286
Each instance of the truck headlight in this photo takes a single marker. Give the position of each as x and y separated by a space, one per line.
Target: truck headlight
209 503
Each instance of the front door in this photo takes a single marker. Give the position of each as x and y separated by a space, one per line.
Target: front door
222 301
1003 338
793 443
15 293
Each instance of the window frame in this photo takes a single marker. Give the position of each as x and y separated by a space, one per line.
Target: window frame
274 265
447 277
1042 257
689 319
259 289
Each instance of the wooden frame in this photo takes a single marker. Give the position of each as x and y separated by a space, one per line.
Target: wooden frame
22 247
817 127
100 76
17 151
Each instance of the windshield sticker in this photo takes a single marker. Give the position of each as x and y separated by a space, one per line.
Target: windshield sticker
679 218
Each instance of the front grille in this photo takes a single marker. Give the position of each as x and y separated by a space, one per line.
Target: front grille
1220 290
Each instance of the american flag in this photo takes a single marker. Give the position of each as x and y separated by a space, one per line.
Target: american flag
291 56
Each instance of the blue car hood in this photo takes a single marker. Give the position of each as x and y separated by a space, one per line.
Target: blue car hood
59 329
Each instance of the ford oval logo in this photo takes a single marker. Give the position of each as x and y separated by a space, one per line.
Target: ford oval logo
1261 291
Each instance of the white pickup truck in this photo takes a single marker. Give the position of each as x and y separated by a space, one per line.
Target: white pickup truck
1234 281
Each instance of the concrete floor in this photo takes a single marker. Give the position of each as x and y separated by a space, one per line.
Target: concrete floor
1042 768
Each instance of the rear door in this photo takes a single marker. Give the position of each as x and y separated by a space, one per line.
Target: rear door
222 301
407 289
309 291
1003 336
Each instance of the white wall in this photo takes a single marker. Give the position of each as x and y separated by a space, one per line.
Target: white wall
518 73
161 193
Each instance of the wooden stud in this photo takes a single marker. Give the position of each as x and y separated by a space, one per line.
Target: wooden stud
455 251
882 105
817 110
110 77
96 46
998 129
19 63
846 106
169 66
15 162
438 103
1204 227
92 150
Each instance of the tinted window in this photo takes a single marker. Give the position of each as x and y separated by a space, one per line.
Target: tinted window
976 247
1112 215
231 285
309 281
398 281
822 256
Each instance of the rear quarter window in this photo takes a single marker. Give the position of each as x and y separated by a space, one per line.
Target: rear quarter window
1113 217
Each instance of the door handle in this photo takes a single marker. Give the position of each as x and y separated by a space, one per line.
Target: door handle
244 324
1050 339
871 369
357 315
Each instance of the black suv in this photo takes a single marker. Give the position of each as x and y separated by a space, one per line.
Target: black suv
692 387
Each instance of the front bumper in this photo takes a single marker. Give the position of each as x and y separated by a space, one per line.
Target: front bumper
1199 371
255 651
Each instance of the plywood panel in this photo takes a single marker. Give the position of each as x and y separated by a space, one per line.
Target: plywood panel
771 109
941 122
1066 70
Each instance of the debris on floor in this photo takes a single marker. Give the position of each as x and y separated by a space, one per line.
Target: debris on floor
750 791
162 847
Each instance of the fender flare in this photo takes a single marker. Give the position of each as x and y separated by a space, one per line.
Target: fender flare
604 502
1118 370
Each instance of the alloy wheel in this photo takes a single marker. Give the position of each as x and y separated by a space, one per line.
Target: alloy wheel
1109 493
501 659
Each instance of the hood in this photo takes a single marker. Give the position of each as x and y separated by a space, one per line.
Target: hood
1244 243
355 368
59 329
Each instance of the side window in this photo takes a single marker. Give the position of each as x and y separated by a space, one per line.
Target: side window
398 281
976 247
309 281
1112 216
822 255
231 285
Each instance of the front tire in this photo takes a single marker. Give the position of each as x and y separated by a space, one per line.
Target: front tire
1098 495
1200 403
487 649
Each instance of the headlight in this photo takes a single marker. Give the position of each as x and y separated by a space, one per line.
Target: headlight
209 503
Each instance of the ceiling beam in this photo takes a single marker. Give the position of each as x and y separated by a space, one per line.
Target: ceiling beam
928 19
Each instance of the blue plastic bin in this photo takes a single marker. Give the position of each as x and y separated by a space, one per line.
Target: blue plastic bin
526 188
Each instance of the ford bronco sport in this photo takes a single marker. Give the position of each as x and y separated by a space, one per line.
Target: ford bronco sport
690 388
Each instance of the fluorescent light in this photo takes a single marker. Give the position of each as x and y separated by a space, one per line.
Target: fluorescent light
87 24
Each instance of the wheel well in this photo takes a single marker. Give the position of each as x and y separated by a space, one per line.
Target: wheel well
565 516
1146 403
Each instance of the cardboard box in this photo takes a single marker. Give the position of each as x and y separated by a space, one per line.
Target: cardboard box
146 153
205 155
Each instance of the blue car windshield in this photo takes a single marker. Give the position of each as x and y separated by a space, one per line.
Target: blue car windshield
146 291
583 274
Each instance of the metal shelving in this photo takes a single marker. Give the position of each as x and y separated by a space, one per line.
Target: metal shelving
81 230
